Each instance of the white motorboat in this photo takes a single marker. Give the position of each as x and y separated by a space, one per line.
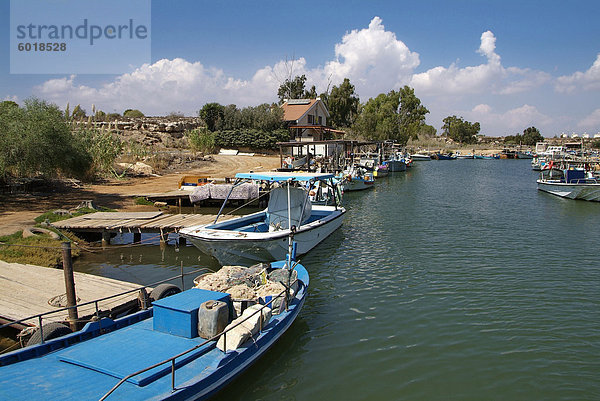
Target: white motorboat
263 236
571 183
420 157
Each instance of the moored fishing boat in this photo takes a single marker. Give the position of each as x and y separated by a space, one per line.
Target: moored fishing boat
167 352
442 156
396 163
464 156
357 179
261 236
420 157
381 170
571 183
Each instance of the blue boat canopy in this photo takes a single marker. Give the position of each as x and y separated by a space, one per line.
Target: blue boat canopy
277 176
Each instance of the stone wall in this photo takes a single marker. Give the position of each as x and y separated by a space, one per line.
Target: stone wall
167 132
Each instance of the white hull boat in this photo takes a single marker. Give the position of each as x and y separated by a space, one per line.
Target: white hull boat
357 179
234 241
263 236
420 157
588 191
571 183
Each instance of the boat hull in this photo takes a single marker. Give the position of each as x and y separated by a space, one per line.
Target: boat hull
236 247
589 192
358 184
396 166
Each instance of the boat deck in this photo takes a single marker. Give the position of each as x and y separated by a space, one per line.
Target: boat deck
89 369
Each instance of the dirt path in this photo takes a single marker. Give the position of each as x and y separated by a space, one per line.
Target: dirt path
19 210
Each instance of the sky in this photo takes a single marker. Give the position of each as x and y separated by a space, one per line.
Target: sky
506 64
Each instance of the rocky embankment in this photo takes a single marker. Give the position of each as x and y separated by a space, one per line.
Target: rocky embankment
163 132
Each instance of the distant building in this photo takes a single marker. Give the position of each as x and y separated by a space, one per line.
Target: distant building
575 135
307 120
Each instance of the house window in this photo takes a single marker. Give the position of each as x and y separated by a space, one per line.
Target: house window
320 120
311 119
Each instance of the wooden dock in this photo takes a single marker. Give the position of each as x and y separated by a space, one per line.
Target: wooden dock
28 290
134 222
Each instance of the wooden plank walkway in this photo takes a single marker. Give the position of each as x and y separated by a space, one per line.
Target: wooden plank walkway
135 222
26 290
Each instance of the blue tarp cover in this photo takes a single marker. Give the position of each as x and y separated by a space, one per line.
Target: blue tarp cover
281 176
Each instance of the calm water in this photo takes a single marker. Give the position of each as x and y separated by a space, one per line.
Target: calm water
457 280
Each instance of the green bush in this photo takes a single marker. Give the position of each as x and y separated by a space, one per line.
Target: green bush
133 113
201 140
250 138
103 148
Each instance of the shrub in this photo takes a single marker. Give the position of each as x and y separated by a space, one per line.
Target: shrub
133 113
201 140
250 138
103 148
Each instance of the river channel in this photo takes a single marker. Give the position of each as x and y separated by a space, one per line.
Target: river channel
457 280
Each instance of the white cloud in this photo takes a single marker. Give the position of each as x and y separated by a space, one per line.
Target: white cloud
167 85
510 121
373 58
12 98
488 77
591 122
588 80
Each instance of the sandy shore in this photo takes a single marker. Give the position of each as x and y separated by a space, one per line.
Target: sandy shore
20 210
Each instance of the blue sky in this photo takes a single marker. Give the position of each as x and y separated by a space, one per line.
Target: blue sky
507 64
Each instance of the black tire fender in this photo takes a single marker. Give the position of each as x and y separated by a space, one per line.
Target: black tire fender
164 290
51 330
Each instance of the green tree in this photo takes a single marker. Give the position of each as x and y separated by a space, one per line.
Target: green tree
379 119
133 113
212 114
310 94
343 105
411 114
459 130
531 136
37 140
427 131
292 89
8 104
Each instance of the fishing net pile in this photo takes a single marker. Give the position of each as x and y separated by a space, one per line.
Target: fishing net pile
250 285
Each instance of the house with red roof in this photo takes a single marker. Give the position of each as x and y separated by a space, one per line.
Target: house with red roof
307 120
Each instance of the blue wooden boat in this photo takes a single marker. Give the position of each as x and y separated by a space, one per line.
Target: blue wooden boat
440 156
154 354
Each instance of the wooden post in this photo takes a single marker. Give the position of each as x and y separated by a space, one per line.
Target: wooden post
164 237
137 238
179 201
70 284
105 238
